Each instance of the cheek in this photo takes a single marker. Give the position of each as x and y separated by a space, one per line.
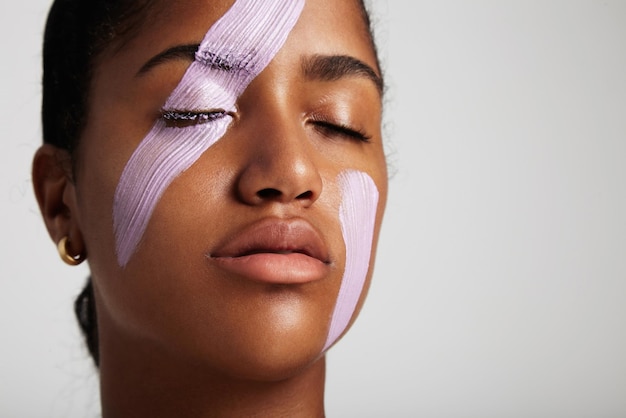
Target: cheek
159 159
357 215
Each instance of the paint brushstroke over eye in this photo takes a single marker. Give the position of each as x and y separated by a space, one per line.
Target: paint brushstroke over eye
357 215
233 52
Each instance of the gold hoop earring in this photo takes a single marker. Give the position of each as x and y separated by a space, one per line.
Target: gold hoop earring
65 255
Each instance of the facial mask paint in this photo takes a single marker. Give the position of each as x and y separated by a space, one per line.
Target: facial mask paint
233 52
357 215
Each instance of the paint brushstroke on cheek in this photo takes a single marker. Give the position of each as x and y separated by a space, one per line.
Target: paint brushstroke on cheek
233 52
357 215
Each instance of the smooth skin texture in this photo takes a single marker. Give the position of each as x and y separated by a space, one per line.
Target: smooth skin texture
178 335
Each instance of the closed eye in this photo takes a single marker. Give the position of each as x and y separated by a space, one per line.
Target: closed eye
185 118
331 129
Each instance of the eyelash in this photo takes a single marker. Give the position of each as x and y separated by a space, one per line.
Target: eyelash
338 129
184 118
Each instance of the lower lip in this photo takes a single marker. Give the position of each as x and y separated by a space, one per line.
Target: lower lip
294 268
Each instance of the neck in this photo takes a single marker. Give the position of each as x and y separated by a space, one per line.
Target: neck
136 380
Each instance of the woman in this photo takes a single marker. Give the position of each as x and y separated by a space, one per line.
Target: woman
220 166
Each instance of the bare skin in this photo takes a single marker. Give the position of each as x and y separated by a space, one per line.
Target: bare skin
179 336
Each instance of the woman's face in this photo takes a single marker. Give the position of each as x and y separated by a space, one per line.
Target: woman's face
243 253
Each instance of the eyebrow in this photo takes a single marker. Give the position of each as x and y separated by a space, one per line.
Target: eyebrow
336 67
179 52
316 67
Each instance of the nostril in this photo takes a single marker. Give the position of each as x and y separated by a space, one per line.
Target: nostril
305 196
268 193
273 194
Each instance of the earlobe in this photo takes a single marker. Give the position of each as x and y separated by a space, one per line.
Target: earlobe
56 196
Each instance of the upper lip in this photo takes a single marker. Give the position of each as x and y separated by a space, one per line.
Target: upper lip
274 235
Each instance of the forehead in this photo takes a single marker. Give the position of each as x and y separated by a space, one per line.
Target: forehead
324 27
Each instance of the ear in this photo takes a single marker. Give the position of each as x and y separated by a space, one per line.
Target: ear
56 195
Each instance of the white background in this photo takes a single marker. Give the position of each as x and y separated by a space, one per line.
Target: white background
500 286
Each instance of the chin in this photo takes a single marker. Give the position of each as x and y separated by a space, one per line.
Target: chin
276 350
275 364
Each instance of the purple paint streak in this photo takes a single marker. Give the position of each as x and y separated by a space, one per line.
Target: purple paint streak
357 215
234 51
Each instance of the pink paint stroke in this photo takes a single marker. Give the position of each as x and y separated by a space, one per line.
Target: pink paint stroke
357 215
234 51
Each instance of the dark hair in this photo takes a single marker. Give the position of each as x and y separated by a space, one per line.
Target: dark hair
77 33
85 310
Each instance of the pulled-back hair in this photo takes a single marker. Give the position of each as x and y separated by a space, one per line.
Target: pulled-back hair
77 32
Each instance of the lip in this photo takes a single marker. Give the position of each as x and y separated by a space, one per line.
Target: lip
275 251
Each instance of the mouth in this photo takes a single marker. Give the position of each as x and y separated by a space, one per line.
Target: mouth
274 251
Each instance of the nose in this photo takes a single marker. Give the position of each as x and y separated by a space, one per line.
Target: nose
280 163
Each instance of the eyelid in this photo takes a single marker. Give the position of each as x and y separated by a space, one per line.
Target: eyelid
339 128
